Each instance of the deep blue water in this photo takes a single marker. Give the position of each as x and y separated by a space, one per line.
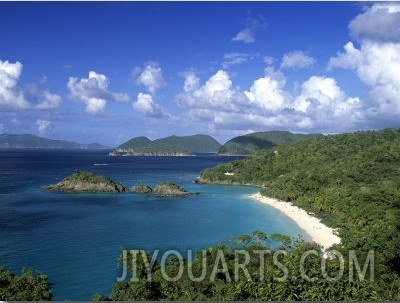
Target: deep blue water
75 239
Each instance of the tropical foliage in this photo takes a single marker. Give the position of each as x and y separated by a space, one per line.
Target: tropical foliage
351 181
237 272
25 287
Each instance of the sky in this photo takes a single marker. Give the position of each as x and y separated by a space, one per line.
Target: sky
110 71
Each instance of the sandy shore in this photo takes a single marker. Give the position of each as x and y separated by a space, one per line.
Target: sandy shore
317 231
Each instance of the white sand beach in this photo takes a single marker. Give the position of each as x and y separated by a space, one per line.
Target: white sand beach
317 231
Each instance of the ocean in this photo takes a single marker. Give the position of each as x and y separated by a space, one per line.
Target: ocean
76 239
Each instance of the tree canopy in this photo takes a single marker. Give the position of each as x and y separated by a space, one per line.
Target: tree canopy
245 269
28 286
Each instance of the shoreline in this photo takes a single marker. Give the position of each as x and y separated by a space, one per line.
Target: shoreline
312 226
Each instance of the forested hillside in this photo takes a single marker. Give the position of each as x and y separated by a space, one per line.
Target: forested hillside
192 144
351 181
254 142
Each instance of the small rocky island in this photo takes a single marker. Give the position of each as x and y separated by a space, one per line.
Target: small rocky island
141 189
168 189
164 189
86 182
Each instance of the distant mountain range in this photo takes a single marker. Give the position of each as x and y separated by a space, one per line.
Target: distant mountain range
32 141
252 143
169 146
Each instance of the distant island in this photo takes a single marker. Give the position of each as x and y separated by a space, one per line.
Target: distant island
169 146
32 141
254 142
88 182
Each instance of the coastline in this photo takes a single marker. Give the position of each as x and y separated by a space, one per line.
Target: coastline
317 231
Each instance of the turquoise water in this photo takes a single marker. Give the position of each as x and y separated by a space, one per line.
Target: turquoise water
75 239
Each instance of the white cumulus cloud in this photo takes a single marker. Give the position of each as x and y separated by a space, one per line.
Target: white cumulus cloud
151 77
95 106
325 104
267 92
216 93
14 98
297 59
93 91
220 105
145 104
380 22
377 61
320 104
43 125
11 97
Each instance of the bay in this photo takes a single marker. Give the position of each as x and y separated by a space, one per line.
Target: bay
75 239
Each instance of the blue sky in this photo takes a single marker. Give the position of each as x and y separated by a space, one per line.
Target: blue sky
106 72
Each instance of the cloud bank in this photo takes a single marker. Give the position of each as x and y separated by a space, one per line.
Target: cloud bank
319 104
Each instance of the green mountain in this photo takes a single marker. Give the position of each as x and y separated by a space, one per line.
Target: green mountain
32 141
170 146
135 143
193 144
351 181
251 143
